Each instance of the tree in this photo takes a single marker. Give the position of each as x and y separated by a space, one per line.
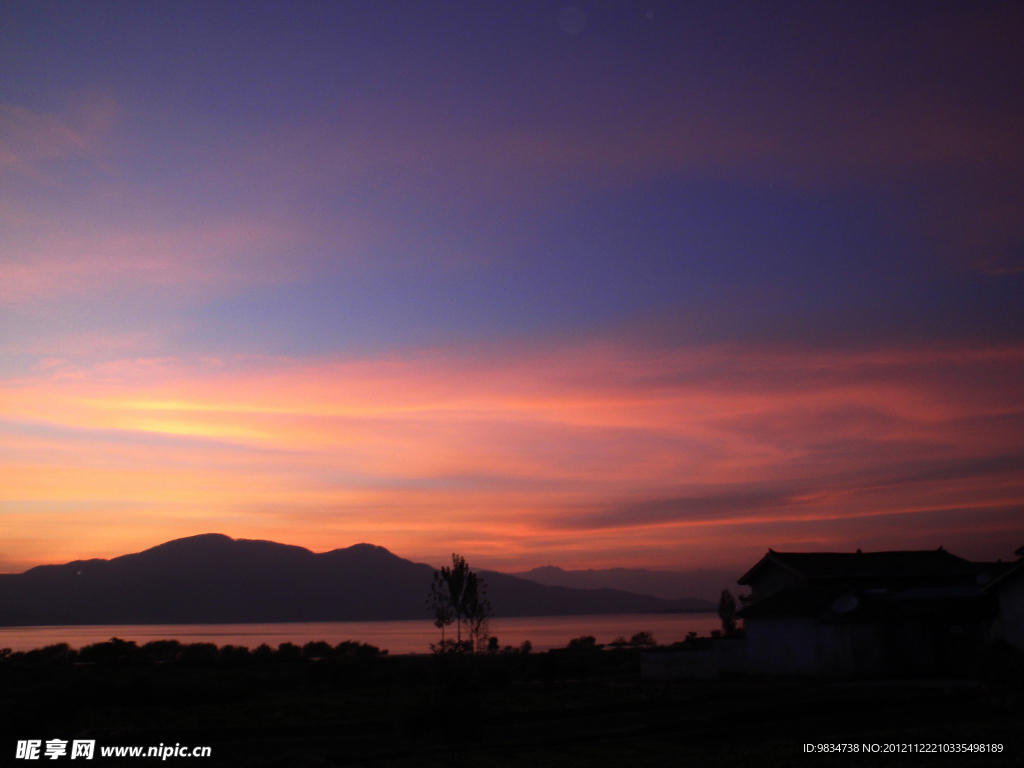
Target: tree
440 604
727 613
459 596
642 638
477 611
585 643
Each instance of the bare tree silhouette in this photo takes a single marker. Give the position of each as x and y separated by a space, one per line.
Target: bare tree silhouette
459 596
727 613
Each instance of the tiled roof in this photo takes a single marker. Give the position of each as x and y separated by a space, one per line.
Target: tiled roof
846 565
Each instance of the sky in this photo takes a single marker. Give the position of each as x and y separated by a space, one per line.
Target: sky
646 284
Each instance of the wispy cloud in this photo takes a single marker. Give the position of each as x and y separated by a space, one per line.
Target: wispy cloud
657 445
27 138
31 140
115 262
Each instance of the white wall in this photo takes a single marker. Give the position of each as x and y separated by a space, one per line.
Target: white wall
782 646
1011 606
805 647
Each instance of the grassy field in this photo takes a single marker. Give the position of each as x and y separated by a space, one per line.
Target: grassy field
562 708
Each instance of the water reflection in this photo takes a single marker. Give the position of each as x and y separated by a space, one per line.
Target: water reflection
397 636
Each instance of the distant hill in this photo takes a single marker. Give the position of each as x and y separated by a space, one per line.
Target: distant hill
704 584
213 579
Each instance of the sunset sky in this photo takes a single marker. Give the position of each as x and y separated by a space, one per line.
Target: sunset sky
650 284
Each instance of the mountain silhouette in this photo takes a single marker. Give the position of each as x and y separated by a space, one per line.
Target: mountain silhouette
214 579
702 584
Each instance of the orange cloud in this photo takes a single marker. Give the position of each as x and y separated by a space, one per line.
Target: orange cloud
521 454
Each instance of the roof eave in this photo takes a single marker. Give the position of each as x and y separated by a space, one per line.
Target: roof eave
1005 576
773 557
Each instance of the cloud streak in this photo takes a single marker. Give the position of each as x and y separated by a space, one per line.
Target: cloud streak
115 262
534 442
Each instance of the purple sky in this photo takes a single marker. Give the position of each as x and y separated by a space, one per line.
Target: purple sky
625 284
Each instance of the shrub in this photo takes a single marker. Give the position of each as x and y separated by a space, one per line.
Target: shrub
288 652
236 653
317 650
200 652
352 648
263 652
585 643
161 650
114 651
642 639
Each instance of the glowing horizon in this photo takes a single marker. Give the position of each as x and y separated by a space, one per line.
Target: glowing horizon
652 449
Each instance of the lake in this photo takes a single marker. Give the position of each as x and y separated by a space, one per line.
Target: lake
543 632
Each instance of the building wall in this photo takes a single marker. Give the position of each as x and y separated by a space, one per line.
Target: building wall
868 649
1011 608
782 646
772 579
806 647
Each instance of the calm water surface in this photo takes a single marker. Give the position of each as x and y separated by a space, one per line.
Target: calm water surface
397 636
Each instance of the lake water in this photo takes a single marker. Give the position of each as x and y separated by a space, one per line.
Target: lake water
543 632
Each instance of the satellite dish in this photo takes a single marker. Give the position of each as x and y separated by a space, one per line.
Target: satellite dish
845 604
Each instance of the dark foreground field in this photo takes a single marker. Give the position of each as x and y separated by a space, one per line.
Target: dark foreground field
563 708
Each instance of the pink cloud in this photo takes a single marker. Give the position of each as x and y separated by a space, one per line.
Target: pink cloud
31 140
27 138
713 449
113 261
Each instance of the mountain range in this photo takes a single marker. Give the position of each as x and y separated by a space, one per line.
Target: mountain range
214 579
705 584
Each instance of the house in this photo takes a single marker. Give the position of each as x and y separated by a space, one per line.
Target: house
863 614
862 570
870 613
